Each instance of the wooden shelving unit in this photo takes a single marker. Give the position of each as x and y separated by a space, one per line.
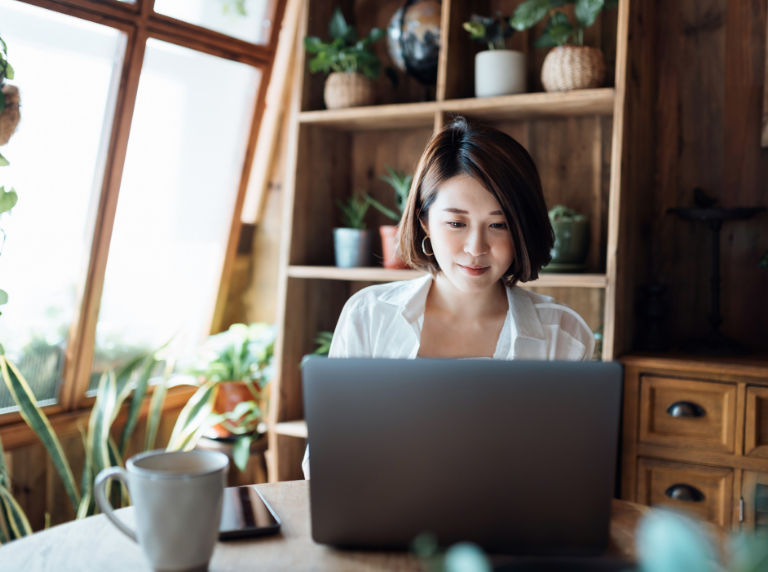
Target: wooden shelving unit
576 139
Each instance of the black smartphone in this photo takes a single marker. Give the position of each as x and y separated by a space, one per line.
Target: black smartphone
244 513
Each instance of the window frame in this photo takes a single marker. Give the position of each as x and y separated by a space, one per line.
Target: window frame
140 23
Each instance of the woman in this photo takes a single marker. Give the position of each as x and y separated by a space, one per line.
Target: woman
477 222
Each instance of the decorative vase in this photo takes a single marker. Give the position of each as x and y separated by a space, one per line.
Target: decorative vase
10 116
499 72
348 90
390 258
571 245
352 247
573 67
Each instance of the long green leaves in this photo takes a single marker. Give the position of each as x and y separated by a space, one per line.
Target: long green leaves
37 420
194 418
13 521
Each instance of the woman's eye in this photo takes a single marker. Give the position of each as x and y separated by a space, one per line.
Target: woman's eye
455 224
499 225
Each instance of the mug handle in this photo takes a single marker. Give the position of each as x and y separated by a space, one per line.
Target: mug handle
103 502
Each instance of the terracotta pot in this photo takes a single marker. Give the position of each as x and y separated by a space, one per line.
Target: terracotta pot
573 67
390 259
10 116
228 395
348 90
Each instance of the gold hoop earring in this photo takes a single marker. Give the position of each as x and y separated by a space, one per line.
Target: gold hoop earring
424 247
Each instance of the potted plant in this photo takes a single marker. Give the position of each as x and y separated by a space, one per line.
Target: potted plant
570 64
571 239
401 184
498 71
233 368
350 63
9 100
352 241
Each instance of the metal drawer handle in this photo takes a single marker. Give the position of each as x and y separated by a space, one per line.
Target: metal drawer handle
684 493
685 409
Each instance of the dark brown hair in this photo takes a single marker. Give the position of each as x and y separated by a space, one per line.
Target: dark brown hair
505 169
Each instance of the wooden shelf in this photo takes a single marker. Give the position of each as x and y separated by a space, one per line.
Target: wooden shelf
392 116
292 428
519 106
377 274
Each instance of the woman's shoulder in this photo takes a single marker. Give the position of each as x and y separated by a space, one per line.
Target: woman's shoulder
397 293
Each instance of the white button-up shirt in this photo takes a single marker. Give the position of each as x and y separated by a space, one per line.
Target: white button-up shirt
385 321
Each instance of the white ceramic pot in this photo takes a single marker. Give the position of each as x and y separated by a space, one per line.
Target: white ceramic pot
352 247
500 72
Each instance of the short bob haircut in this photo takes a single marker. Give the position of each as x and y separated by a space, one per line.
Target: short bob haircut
505 169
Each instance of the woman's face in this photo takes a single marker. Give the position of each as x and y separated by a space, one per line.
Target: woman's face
469 234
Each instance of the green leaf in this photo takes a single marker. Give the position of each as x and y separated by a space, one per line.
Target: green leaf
586 11
386 211
375 35
156 408
531 12
2 101
557 33
191 422
38 422
9 73
139 392
3 161
17 521
102 415
313 44
3 297
339 29
241 451
8 199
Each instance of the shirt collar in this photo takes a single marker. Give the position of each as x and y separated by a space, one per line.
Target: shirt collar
410 295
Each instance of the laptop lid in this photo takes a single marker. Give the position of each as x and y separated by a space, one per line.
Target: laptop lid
516 456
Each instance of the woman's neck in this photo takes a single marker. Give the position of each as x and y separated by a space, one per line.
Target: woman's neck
444 298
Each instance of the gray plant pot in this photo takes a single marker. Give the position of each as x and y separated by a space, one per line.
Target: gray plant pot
352 247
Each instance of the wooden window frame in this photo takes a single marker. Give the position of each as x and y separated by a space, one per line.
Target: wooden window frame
140 23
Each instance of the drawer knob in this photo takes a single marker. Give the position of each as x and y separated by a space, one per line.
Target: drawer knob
685 409
684 493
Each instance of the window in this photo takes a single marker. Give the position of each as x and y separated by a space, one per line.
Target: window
129 163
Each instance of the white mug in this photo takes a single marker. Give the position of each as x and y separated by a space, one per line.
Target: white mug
177 505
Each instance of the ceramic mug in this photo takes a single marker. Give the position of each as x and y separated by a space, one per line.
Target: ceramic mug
177 500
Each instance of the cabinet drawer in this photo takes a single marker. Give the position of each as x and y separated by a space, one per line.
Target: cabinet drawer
704 492
687 413
756 423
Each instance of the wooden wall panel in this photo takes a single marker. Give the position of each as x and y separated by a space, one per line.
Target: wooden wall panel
709 73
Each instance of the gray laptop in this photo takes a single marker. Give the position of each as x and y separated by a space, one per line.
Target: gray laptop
516 456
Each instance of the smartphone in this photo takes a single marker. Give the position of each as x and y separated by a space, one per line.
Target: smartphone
245 513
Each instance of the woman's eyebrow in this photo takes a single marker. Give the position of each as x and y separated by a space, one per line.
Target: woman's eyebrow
461 211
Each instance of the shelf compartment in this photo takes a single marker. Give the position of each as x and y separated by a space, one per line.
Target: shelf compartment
377 274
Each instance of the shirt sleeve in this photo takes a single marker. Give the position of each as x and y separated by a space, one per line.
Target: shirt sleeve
351 336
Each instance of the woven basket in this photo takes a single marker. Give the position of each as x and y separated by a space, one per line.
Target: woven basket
10 116
573 67
348 90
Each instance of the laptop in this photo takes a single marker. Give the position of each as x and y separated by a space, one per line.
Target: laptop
518 457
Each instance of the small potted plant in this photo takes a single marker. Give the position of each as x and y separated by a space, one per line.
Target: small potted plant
9 100
571 239
350 63
401 184
498 71
352 240
570 64
233 368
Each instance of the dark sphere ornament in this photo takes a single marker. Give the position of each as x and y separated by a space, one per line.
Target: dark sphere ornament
413 39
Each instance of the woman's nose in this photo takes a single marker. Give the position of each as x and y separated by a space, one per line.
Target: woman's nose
476 243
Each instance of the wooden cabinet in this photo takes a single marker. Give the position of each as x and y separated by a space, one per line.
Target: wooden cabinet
576 139
695 437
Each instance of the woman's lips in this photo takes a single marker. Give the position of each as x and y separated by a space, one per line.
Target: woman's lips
474 270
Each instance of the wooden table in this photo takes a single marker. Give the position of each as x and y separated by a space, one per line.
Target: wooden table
94 543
